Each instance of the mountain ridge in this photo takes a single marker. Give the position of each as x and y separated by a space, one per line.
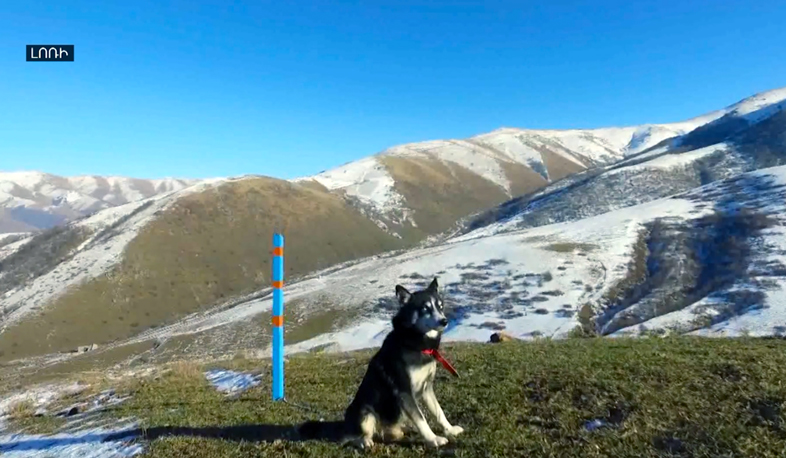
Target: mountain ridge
512 160
32 200
131 269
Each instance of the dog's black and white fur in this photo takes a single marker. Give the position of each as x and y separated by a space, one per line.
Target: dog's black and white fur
397 374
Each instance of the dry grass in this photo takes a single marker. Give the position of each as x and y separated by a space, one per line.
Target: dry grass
184 370
558 166
570 247
14 377
440 193
21 409
207 248
522 179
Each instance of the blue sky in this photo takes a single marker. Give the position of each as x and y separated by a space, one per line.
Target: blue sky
199 89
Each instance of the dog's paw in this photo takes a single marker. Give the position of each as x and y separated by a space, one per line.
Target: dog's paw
437 441
364 443
394 433
454 431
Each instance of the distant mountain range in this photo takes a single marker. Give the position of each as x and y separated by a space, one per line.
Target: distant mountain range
122 259
479 170
34 200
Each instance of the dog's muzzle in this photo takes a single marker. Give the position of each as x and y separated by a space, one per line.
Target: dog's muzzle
442 323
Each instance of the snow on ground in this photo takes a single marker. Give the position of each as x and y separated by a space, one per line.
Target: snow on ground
760 106
79 438
641 157
769 249
509 144
368 333
91 262
82 192
603 227
472 157
86 443
231 382
13 235
499 279
671 160
529 282
9 249
765 321
753 108
770 319
116 190
485 154
38 396
365 179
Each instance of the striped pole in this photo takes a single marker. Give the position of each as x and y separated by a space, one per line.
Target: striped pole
278 317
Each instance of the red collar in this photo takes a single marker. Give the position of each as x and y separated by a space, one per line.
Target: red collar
438 357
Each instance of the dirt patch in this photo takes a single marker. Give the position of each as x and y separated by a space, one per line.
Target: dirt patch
570 247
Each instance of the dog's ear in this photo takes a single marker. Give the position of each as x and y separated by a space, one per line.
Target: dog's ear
402 294
433 287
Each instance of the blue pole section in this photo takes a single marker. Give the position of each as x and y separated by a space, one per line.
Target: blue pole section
278 317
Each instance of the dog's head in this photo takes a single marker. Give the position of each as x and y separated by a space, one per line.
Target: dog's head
421 311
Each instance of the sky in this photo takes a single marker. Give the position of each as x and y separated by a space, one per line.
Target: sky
200 89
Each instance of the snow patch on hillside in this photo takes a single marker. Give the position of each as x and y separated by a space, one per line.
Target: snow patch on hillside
366 180
93 257
672 160
7 249
78 438
530 282
760 106
231 382
464 154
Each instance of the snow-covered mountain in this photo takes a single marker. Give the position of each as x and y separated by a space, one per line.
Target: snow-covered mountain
584 204
711 261
507 157
34 200
747 136
399 184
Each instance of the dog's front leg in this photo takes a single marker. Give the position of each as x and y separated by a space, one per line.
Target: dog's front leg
415 416
430 399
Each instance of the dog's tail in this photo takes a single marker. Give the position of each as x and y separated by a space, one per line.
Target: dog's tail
323 430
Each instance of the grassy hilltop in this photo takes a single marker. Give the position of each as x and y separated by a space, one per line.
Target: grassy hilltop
680 397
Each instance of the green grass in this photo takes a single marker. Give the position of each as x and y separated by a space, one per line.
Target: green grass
684 397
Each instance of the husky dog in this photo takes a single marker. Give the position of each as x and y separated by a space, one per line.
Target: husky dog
402 370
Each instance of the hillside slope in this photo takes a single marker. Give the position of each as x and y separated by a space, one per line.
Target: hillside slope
710 261
172 256
750 136
131 271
